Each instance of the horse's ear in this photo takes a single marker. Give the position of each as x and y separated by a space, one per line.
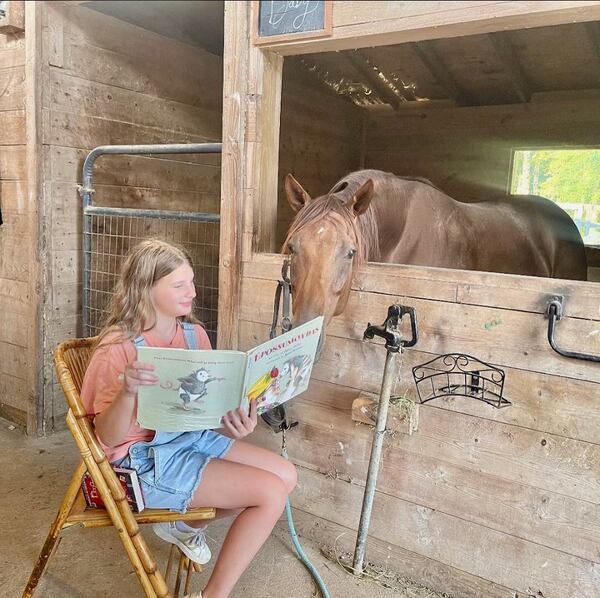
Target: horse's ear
362 198
296 195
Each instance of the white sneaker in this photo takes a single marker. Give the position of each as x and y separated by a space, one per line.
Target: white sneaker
192 544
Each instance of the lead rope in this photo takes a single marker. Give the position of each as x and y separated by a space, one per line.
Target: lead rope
279 422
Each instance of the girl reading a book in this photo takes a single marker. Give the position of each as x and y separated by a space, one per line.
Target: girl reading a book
152 306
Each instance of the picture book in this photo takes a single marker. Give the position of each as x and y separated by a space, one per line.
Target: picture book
197 388
130 482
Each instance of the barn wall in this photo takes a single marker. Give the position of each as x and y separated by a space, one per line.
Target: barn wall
320 139
478 501
467 151
108 82
17 232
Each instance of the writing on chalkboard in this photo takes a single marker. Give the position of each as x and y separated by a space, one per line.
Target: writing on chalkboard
290 18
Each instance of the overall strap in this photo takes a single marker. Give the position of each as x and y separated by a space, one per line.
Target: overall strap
189 333
140 341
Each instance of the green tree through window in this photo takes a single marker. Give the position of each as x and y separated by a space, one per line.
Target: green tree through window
570 178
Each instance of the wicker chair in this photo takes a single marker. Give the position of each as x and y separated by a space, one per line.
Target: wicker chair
71 359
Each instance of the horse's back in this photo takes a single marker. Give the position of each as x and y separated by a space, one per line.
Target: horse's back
569 261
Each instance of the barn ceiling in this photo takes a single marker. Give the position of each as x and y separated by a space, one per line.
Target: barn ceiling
496 68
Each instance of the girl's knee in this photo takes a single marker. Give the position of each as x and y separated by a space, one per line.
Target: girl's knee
289 476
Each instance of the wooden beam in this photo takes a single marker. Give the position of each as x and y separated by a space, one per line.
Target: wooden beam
593 32
385 88
429 56
511 63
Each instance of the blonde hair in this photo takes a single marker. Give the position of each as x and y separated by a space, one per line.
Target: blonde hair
131 310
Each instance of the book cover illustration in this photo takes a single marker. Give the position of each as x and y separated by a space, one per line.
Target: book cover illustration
131 485
197 387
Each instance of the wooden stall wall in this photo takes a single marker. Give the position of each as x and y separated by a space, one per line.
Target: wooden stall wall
16 235
321 138
478 501
467 151
108 82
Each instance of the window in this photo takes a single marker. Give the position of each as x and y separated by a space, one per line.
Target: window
570 178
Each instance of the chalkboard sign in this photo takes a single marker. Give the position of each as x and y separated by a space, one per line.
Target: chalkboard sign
278 20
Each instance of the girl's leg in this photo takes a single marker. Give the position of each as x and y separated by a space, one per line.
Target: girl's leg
261 496
248 454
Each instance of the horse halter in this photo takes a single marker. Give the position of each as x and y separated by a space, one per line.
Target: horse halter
284 286
276 418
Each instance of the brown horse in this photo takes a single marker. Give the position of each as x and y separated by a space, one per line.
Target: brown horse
371 215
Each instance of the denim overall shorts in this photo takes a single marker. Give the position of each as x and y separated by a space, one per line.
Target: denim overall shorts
170 465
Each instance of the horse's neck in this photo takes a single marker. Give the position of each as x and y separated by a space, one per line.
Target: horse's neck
407 210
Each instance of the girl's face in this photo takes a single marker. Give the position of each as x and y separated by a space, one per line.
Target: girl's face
173 295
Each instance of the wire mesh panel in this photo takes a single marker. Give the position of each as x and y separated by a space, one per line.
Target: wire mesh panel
112 231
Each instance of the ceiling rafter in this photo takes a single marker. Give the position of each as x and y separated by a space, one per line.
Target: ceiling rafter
506 53
430 57
384 87
593 32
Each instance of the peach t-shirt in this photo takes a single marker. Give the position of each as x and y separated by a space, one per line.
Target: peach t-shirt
102 384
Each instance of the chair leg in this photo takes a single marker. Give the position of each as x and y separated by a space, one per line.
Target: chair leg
188 577
53 538
182 565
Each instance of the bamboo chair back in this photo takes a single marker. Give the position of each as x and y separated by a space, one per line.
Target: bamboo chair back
71 359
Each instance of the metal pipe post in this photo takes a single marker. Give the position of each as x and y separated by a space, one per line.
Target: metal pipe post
382 411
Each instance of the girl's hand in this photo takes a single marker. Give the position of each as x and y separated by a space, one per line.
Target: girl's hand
238 424
137 374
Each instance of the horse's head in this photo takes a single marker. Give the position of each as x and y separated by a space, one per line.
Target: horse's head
326 244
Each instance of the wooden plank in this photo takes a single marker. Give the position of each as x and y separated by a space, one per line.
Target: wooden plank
340 539
519 509
12 127
507 55
475 549
489 289
263 175
13 195
12 163
15 330
559 406
35 248
538 459
499 336
233 172
14 360
106 50
509 121
12 88
139 171
431 59
78 96
355 25
86 132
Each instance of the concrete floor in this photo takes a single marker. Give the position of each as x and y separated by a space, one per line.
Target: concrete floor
92 564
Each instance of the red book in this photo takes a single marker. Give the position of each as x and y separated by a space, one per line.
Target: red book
130 482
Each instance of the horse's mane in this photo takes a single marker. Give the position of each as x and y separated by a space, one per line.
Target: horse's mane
334 205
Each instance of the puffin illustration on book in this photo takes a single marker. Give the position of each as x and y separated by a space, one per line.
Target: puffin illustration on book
193 387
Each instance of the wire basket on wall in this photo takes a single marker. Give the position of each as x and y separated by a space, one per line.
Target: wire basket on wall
458 374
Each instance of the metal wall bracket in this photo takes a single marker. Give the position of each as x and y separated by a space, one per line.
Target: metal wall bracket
554 313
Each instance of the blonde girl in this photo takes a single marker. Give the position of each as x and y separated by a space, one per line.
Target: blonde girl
152 306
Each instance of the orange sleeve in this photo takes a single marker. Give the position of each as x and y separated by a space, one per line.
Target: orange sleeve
203 340
101 384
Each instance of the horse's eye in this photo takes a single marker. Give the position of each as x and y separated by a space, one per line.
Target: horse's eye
291 249
351 253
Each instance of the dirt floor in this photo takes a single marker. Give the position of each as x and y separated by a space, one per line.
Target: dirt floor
92 564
